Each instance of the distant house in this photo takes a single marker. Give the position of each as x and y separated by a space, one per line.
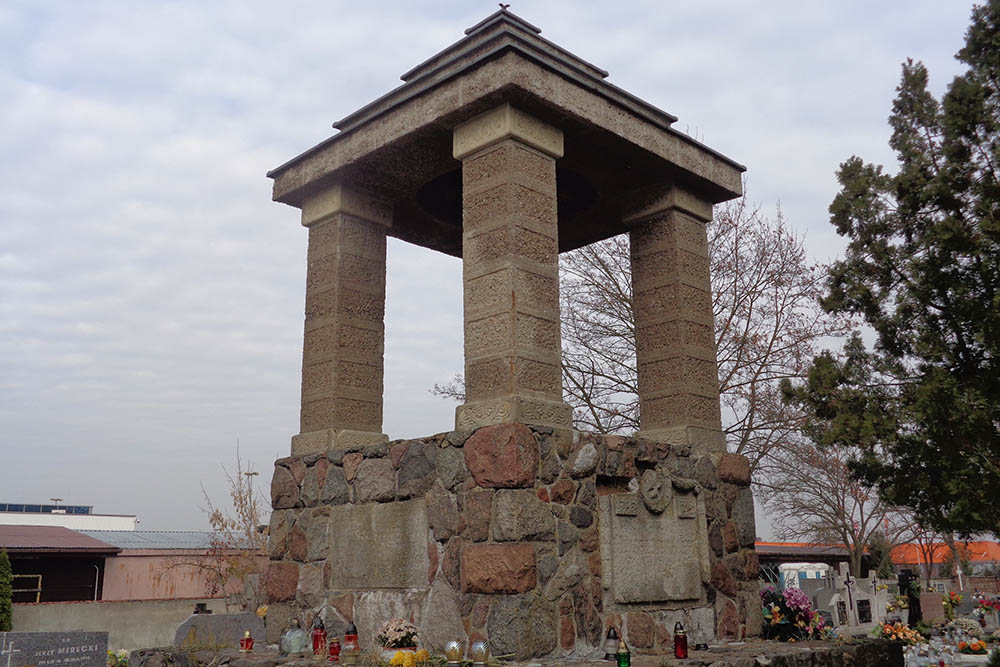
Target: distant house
55 564
165 565
984 558
76 517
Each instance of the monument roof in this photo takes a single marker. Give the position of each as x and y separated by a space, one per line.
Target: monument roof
399 146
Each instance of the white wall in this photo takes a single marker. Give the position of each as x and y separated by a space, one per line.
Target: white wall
130 625
71 521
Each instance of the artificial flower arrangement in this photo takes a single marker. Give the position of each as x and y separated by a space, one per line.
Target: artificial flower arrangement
118 658
789 616
975 647
897 603
967 626
397 633
898 632
951 600
410 658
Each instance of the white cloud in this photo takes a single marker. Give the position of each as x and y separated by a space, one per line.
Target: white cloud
150 294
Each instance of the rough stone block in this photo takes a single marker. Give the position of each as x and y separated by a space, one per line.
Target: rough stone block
520 516
502 456
375 481
735 469
378 545
441 621
284 489
524 626
282 580
498 568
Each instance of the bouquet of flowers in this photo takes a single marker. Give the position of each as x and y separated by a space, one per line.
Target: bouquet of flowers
988 605
397 633
950 600
788 615
898 632
975 647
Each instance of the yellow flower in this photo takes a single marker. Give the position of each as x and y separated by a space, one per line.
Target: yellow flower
409 660
397 658
262 610
422 655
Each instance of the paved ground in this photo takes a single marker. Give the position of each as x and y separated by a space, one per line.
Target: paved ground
749 654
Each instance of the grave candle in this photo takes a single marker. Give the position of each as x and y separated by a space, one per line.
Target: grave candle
680 641
319 637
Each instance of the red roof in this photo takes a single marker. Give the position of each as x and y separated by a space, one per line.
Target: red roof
50 539
977 552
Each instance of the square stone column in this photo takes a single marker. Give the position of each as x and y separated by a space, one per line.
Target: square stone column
510 265
342 368
678 375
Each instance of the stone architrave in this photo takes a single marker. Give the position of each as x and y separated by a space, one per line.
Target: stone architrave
342 371
510 264
672 305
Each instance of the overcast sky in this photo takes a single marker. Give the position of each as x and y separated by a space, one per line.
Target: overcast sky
151 294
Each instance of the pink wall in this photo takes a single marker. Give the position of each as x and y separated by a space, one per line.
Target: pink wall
161 575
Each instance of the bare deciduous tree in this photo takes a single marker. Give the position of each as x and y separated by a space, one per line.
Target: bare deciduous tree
235 563
767 324
814 499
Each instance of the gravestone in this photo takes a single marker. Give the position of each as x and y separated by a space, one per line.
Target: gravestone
966 606
53 649
932 608
829 601
217 631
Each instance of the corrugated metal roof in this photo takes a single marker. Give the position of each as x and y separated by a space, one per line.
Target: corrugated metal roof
153 539
51 539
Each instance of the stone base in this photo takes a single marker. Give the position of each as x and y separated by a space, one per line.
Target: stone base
701 440
320 442
517 535
513 409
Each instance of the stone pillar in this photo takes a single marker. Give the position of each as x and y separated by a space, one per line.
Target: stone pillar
674 330
344 338
510 264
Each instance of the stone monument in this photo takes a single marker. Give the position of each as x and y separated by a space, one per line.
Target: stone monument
505 150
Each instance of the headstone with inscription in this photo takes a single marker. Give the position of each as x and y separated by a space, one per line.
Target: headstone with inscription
53 649
932 607
217 631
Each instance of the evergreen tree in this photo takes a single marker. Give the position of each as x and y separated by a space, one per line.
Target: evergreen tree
6 593
923 270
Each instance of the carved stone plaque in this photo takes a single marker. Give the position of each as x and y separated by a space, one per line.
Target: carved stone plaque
687 506
652 557
625 504
654 489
